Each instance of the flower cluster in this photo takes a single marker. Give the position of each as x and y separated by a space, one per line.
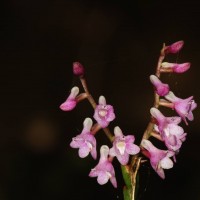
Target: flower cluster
167 129
123 146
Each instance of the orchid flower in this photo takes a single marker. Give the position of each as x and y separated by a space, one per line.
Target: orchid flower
183 107
159 159
71 101
86 142
104 170
161 88
172 134
175 67
104 113
174 48
123 146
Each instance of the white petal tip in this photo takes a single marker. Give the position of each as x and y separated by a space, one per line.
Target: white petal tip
102 100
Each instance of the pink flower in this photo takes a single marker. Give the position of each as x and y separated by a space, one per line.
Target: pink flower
174 48
183 107
104 113
78 69
86 142
123 146
161 88
174 67
71 101
172 134
159 159
104 169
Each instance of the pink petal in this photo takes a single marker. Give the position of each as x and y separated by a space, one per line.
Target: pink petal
113 181
132 149
129 139
93 173
173 120
123 159
175 47
103 177
84 151
166 163
68 105
94 153
161 173
181 68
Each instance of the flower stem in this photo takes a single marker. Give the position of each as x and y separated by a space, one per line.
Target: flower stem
136 161
150 126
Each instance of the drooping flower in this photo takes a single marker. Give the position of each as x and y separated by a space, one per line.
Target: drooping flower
123 146
159 159
104 113
174 48
71 101
172 134
161 88
104 170
183 107
175 67
85 141
78 69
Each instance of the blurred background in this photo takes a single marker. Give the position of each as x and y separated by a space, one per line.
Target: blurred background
118 42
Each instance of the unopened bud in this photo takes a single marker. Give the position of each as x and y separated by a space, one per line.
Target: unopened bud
78 69
174 48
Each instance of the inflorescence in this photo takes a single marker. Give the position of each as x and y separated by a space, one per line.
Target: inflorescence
166 129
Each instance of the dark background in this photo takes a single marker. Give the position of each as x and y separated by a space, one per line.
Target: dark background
118 42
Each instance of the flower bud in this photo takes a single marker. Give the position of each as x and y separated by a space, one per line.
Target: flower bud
174 67
70 102
162 89
174 48
78 69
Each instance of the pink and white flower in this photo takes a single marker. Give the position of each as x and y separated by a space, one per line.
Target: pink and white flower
85 141
175 67
71 101
172 134
161 88
174 48
104 170
104 113
159 159
183 107
123 146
